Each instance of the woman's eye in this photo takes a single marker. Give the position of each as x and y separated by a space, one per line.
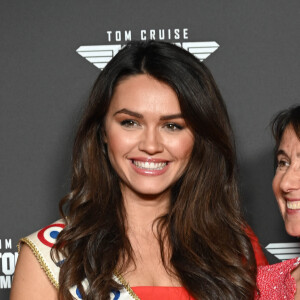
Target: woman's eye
282 164
173 126
129 123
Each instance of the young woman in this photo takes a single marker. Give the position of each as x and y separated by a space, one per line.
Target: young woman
282 280
154 208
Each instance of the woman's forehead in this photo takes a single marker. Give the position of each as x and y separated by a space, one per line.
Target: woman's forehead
145 93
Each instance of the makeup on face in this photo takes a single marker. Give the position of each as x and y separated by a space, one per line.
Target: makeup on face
148 141
286 182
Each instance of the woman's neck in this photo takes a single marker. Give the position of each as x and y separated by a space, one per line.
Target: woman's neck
142 210
148 269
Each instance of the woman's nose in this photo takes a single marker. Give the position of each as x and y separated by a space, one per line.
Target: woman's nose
291 179
151 141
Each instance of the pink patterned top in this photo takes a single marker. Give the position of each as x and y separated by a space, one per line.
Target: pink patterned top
275 281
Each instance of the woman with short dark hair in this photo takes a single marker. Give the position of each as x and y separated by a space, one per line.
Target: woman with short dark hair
282 280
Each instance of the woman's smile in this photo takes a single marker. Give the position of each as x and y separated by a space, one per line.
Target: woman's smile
149 167
293 205
286 182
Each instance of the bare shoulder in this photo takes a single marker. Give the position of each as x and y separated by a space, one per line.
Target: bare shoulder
30 281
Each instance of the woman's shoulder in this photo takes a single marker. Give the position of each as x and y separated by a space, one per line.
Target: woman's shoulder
41 243
36 275
275 281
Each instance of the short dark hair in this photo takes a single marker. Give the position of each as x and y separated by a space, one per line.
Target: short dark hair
284 119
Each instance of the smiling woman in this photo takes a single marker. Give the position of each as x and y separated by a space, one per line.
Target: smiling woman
153 211
286 183
146 135
282 281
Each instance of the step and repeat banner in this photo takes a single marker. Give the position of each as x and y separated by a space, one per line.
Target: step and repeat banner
52 51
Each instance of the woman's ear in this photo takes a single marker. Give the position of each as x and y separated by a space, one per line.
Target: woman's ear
104 142
104 138
103 134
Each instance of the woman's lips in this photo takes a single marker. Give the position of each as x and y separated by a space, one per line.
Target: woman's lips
147 166
293 205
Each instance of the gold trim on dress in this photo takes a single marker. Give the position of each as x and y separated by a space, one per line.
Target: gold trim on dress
40 259
126 286
51 277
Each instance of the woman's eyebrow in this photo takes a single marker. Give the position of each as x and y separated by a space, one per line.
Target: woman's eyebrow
129 112
140 116
169 117
281 152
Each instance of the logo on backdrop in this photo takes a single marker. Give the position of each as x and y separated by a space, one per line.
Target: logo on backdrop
284 251
8 260
100 55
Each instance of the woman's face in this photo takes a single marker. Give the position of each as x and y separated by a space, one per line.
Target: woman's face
286 182
148 142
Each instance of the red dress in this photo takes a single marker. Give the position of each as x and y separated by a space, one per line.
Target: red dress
275 281
180 293
161 293
259 255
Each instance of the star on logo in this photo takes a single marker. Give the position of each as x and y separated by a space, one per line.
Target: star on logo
100 55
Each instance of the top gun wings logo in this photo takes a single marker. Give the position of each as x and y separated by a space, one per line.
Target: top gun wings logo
284 251
100 55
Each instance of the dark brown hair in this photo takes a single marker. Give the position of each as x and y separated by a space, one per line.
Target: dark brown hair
285 118
282 120
210 252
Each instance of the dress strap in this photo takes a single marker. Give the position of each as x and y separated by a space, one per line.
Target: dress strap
41 243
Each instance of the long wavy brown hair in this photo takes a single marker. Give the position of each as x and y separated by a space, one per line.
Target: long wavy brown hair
209 251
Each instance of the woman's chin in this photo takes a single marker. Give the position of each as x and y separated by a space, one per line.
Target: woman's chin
292 228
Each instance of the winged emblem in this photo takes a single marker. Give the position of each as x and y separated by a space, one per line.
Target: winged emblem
100 55
284 251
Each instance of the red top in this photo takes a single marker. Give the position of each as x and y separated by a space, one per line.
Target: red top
275 281
180 293
259 255
161 293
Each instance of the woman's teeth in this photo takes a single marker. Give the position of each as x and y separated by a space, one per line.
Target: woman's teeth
293 204
149 165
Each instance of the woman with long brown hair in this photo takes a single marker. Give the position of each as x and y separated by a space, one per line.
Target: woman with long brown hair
154 205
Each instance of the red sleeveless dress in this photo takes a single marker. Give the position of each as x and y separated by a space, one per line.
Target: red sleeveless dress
161 293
